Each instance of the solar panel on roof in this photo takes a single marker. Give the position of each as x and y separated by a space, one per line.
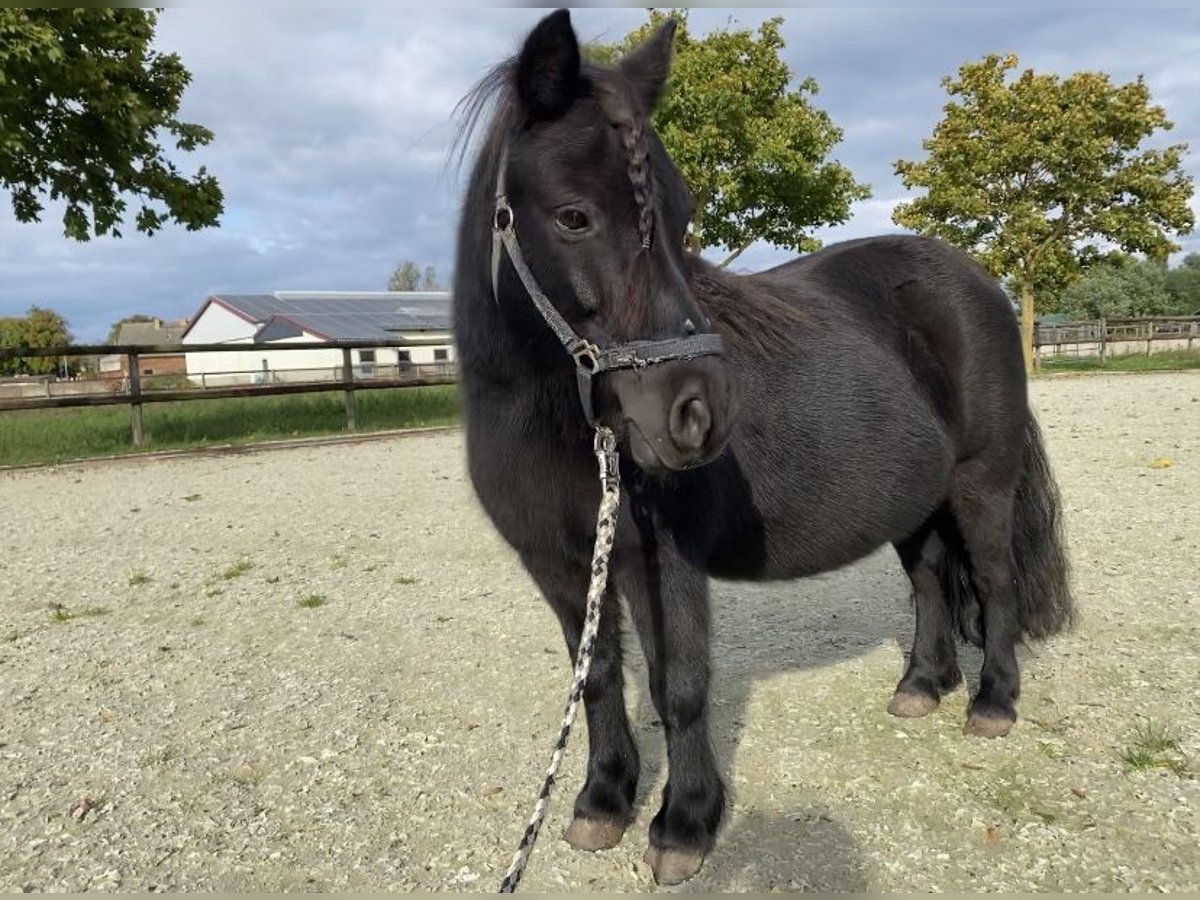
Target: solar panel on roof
349 317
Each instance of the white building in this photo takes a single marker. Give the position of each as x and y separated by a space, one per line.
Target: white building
420 318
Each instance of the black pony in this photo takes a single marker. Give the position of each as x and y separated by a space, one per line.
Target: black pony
870 393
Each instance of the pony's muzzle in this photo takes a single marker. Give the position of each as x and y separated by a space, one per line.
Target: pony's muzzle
677 415
690 423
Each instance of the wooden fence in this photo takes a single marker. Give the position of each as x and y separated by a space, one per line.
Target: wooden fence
1105 337
1101 337
129 389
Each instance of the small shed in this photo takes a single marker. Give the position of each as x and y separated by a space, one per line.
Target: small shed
155 332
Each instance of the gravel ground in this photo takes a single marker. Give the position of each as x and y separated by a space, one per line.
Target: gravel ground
175 718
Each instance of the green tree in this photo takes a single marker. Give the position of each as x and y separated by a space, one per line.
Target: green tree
1058 268
408 276
1183 284
1122 287
39 328
1038 171
84 104
750 146
13 334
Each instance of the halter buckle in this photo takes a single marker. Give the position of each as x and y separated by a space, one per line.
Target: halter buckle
504 218
586 356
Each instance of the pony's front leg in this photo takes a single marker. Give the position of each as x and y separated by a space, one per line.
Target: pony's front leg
604 807
668 600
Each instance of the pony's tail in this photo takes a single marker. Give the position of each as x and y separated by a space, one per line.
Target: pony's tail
954 572
1045 605
1041 571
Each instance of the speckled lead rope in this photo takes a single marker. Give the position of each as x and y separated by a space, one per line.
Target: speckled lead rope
606 528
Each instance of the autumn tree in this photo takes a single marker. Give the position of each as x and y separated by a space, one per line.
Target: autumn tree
85 104
749 143
1042 170
39 328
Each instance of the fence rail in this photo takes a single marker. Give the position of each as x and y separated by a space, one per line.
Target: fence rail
1104 337
129 389
1100 337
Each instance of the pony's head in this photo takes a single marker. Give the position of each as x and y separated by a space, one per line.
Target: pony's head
600 213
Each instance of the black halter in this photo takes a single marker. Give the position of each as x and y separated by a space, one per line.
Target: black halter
590 360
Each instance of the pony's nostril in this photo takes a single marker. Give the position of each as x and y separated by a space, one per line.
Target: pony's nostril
690 423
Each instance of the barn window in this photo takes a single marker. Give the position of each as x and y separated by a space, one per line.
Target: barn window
403 356
366 359
441 355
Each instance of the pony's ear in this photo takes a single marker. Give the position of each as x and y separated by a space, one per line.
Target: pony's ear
649 65
548 69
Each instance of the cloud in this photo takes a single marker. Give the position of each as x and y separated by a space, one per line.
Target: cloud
333 131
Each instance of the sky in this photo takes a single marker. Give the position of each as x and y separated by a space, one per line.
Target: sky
334 128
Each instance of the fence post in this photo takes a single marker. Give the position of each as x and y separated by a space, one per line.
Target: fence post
348 385
135 399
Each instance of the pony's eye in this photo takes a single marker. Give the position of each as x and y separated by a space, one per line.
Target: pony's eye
572 220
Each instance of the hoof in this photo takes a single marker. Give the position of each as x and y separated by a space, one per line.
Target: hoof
673 866
911 705
594 834
988 726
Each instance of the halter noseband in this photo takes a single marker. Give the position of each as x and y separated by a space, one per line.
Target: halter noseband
590 360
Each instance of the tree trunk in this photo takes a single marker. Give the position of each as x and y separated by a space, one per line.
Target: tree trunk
736 253
694 240
1027 320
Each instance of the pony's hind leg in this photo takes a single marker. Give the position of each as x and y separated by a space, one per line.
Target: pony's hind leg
933 664
983 511
604 807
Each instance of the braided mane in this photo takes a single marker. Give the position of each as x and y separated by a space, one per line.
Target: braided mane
613 94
